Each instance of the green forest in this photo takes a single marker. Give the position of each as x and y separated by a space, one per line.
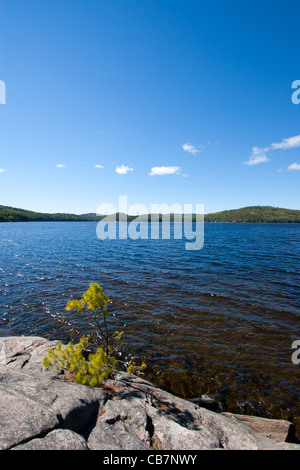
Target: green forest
256 214
10 214
253 214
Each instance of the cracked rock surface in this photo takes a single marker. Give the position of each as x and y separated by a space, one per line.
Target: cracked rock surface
39 410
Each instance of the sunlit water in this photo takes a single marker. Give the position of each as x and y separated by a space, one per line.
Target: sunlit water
220 321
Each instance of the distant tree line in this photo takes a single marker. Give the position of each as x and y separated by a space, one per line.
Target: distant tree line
256 214
10 214
253 214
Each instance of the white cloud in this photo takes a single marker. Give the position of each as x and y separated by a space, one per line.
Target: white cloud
165 170
294 166
187 147
60 165
292 142
98 166
123 170
2 170
258 156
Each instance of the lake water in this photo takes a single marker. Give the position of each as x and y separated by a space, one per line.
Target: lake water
219 321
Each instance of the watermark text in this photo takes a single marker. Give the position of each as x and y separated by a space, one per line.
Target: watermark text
164 222
296 354
2 351
2 92
296 94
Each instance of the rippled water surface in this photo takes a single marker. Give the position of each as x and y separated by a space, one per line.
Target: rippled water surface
220 321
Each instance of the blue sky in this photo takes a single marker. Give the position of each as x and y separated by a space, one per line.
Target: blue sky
184 102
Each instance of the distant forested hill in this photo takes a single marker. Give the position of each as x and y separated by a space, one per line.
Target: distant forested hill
10 214
254 214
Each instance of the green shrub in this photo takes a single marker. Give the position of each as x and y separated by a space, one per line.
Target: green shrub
92 371
91 368
94 301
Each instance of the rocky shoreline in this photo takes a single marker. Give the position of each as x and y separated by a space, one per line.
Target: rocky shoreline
41 410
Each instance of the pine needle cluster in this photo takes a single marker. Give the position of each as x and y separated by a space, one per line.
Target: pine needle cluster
91 371
84 367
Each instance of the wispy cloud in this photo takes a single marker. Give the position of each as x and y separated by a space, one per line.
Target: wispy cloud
258 156
294 166
60 165
123 170
261 155
2 170
98 166
165 170
187 147
291 143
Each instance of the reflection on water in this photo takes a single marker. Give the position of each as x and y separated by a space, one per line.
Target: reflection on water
219 321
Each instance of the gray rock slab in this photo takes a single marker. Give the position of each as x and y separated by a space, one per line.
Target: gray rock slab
179 424
279 430
41 410
59 439
115 436
33 403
